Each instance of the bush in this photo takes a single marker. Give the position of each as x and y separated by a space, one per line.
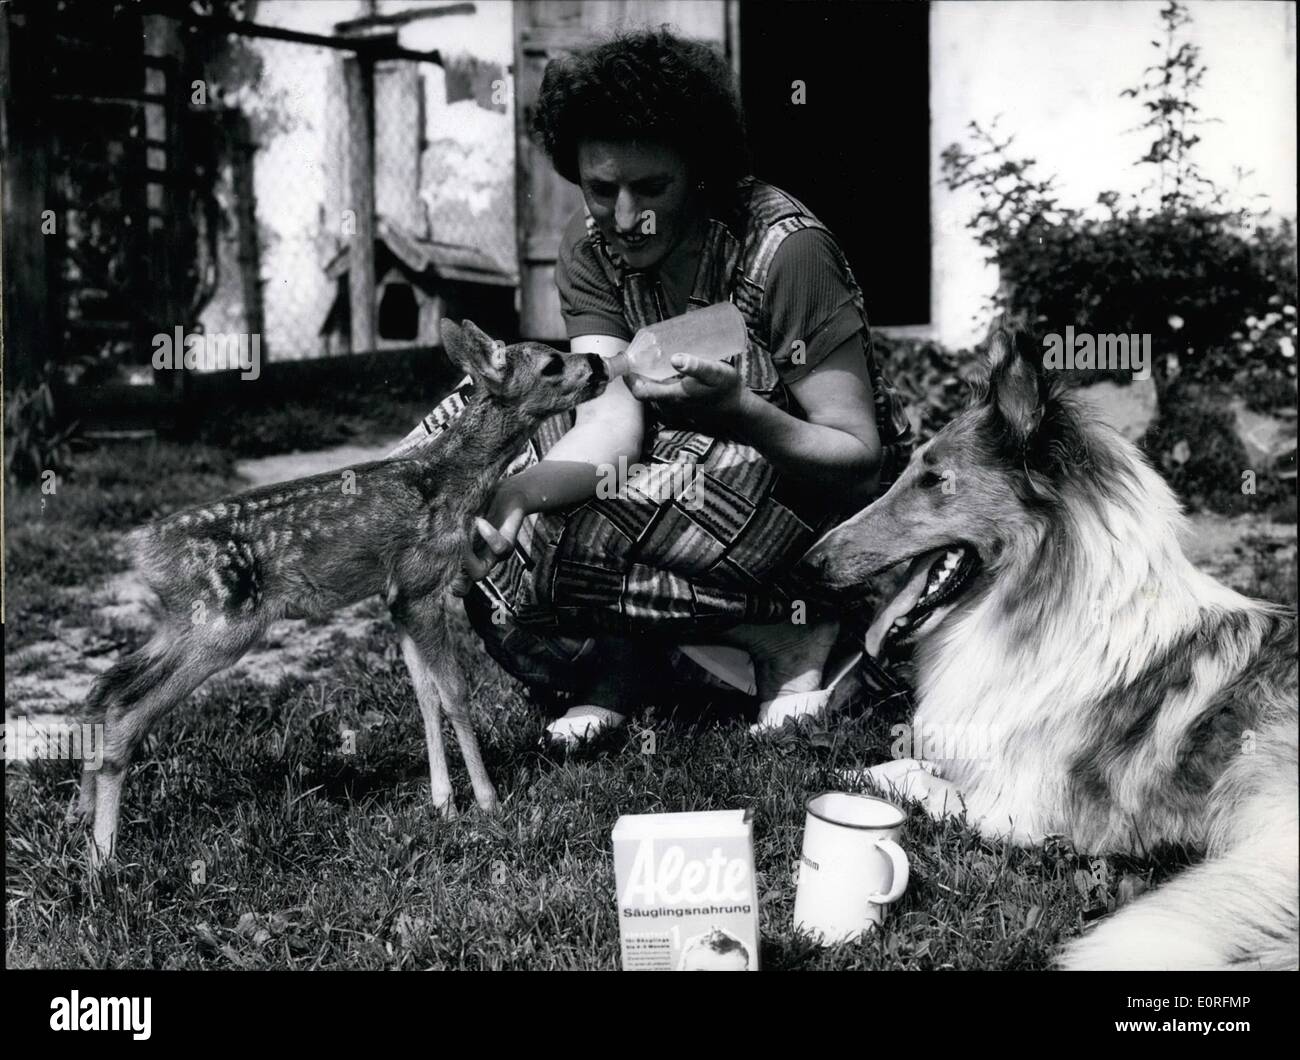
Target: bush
36 439
1194 275
1213 286
932 379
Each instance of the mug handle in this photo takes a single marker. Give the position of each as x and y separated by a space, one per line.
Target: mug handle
901 872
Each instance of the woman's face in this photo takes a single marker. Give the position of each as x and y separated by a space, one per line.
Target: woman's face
641 196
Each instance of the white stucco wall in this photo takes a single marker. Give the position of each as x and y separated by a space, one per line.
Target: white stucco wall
1054 72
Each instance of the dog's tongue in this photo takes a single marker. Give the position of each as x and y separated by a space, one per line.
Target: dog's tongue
904 600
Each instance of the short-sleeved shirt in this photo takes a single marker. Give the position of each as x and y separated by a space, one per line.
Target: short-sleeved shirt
809 298
708 533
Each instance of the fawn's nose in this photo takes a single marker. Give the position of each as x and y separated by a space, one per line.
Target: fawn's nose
599 369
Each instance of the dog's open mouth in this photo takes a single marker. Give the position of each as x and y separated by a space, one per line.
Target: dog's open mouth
934 580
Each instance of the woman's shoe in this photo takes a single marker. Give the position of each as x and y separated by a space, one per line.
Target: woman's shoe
773 713
582 723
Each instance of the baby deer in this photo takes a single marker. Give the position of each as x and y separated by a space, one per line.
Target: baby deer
224 572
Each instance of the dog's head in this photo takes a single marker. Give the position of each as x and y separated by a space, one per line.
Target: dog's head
987 479
531 378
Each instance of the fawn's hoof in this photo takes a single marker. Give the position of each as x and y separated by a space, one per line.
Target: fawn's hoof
97 856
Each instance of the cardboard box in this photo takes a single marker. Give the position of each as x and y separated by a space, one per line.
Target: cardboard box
687 895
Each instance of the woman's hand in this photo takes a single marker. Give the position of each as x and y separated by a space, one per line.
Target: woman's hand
492 540
707 395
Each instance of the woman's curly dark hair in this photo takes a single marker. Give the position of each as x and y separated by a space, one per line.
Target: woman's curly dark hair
647 85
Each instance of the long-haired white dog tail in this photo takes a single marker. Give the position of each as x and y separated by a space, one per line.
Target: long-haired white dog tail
1238 909
1222 914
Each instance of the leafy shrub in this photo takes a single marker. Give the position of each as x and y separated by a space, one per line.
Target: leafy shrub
932 379
36 440
1213 286
1190 272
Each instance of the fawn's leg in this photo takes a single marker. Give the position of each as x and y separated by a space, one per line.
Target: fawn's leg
432 658
426 694
130 697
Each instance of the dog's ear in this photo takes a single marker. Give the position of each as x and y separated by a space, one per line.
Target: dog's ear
472 350
1016 385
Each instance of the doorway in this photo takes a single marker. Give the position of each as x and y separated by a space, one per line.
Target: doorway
856 150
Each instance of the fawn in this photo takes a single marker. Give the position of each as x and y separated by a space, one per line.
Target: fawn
223 573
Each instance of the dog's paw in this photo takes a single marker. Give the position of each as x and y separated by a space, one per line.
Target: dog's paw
903 778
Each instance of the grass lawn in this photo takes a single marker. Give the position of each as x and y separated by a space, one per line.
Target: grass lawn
251 840
56 545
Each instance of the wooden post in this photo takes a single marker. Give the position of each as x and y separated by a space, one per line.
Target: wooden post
359 78
29 338
239 137
162 238
732 44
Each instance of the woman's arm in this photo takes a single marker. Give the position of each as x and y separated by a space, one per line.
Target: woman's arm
817 343
837 447
607 427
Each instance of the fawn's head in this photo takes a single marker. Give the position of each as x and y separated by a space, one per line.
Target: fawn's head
529 377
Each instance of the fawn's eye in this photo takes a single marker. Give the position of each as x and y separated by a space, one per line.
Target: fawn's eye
554 365
929 480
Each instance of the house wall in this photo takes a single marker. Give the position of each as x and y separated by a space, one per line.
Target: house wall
466 171
1054 71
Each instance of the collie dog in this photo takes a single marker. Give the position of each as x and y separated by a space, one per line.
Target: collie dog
1134 701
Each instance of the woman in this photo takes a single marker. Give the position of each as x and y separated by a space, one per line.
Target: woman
800 433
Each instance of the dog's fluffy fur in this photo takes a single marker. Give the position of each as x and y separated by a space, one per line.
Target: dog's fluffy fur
1136 701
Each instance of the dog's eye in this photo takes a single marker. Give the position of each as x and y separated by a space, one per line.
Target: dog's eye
554 365
930 479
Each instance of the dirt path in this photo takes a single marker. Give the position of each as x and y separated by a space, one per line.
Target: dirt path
1217 543
268 469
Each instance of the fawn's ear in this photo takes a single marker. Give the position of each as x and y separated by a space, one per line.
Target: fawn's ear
1016 384
472 350
453 341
